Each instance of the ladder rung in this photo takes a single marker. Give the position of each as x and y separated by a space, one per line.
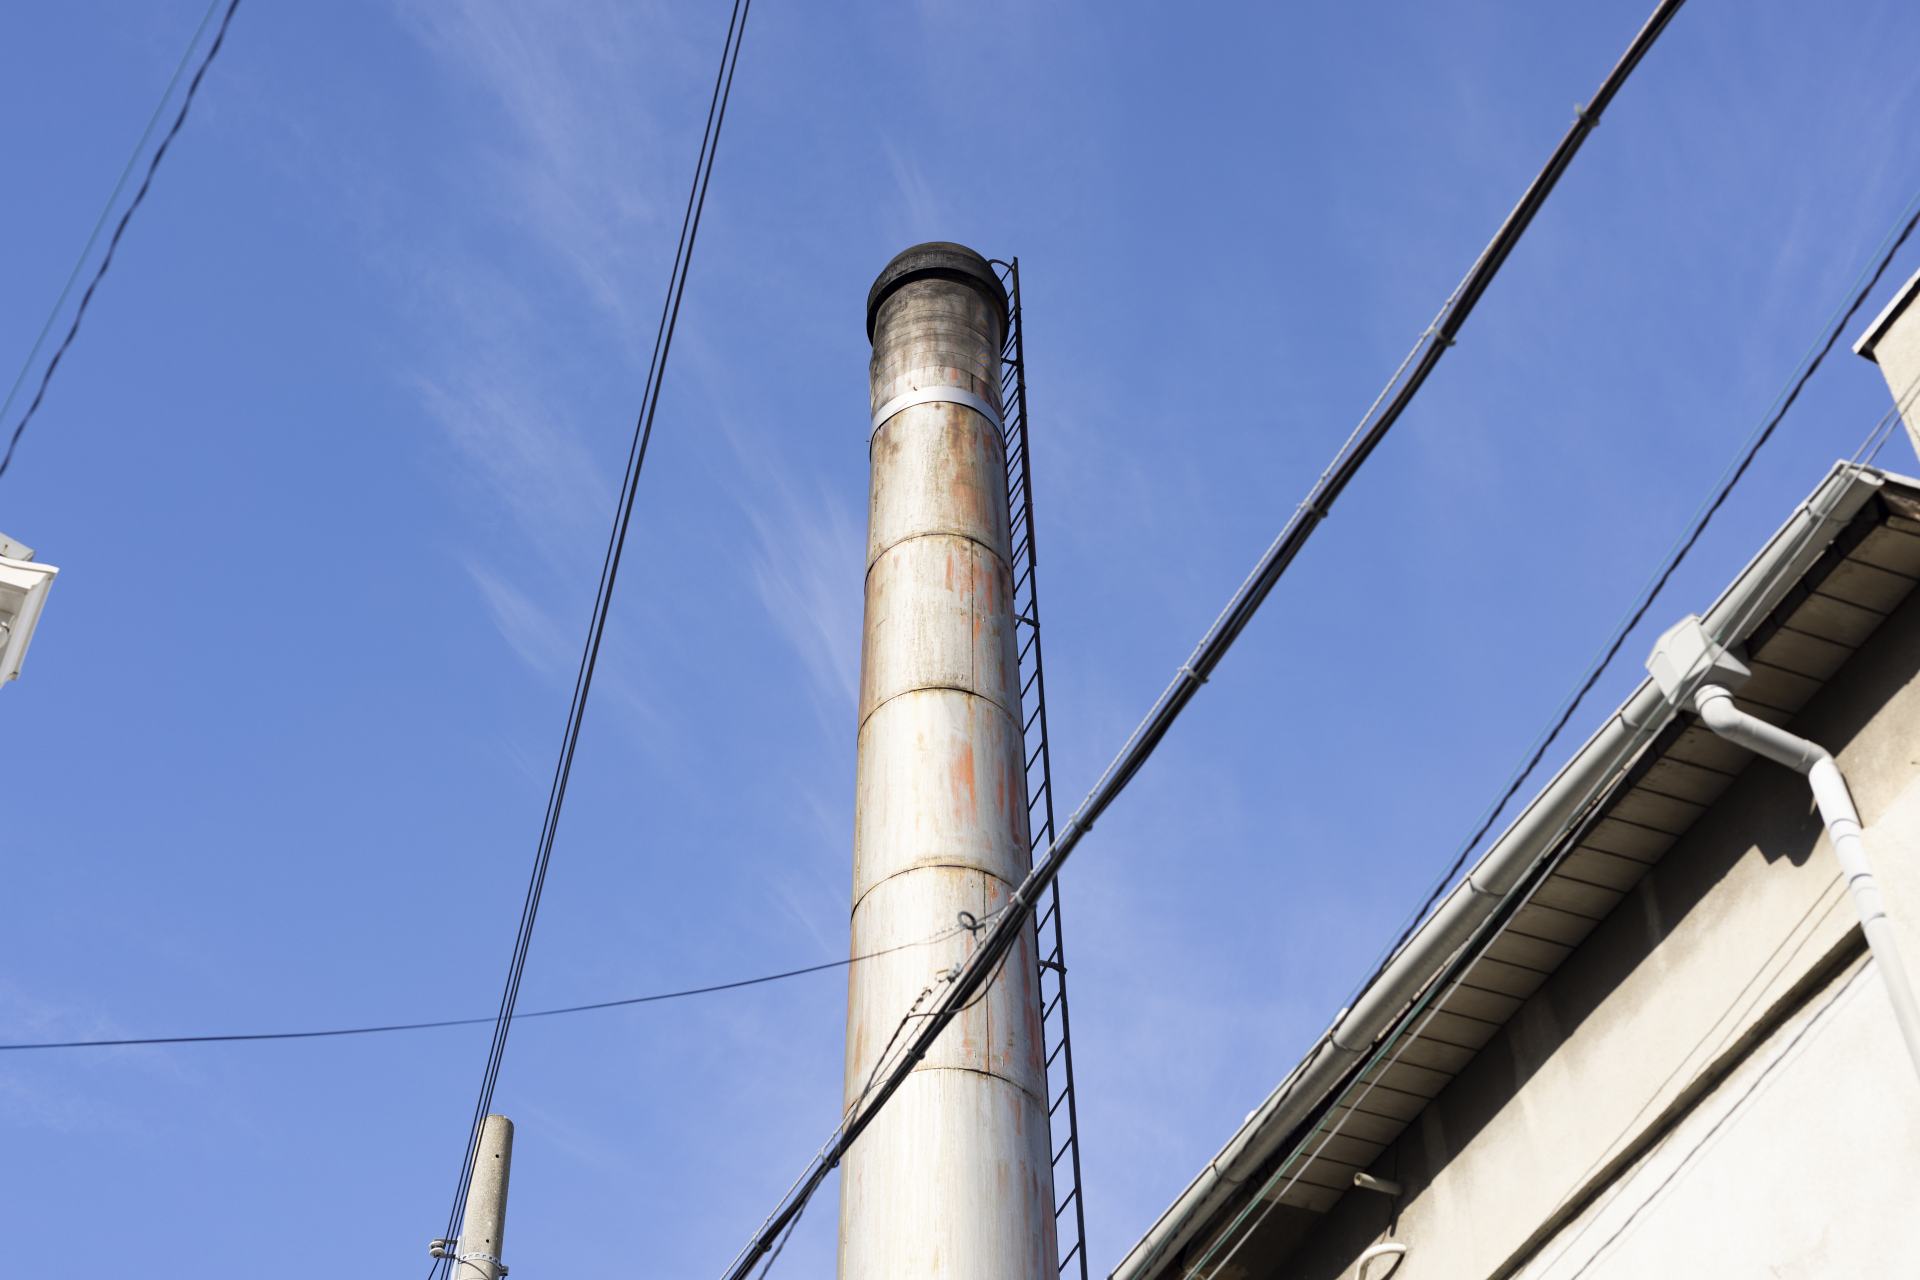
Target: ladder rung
1069 1258
1063 1148
1056 1052
1057 1101
1064 1203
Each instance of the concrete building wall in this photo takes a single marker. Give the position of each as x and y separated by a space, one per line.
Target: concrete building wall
1806 1150
1730 934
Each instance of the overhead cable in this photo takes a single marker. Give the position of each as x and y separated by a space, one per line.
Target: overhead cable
1890 246
621 1003
1322 1128
1219 638
603 596
153 165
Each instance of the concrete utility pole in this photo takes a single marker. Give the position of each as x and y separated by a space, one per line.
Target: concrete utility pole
955 1177
483 1228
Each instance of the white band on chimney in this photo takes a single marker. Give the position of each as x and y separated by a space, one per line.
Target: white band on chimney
936 395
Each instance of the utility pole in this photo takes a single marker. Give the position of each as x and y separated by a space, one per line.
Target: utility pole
954 1178
476 1254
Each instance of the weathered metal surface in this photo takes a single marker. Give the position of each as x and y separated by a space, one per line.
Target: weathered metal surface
939 617
954 1177
939 786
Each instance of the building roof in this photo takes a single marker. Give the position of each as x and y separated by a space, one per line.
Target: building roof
1820 587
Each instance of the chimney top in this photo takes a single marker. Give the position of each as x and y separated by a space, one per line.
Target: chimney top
936 260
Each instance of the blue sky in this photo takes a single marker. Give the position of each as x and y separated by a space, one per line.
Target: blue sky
329 470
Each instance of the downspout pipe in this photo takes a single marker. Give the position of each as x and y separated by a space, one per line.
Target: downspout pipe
1534 834
1718 712
1691 667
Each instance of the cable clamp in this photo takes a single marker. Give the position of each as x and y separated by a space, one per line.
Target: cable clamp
1586 115
1187 670
445 1249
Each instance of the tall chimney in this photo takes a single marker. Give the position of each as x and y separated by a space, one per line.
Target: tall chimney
1892 341
954 1179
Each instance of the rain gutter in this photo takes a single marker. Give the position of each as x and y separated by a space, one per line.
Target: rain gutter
1534 834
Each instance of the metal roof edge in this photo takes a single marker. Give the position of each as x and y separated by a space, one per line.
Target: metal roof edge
1865 343
1592 772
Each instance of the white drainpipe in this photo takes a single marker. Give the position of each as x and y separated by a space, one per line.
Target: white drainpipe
1685 654
1534 834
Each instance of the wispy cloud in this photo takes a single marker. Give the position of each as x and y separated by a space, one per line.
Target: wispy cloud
809 550
569 163
574 139
530 463
806 570
918 213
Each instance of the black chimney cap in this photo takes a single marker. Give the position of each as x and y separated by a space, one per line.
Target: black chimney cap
936 260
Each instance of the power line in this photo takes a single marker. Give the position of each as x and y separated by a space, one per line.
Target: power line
1364 1076
382 1028
603 597
100 223
1891 245
1213 646
119 230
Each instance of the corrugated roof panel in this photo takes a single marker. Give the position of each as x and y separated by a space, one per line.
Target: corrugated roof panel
1628 839
1304 1195
1536 920
1859 583
1802 653
1832 618
1490 973
1685 780
1345 1147
1665 814
1529 952
1563 890
1776 688
1432 1054
1892 550
1705 749
1366 1125
1392 1073
1478 1002
1607 869
1451 1027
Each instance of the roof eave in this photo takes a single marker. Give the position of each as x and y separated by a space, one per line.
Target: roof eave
1586 778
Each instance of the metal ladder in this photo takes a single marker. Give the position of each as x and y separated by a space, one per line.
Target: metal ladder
1056 1030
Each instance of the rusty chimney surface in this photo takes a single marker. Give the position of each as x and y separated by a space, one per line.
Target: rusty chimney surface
1892 341
954 1178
